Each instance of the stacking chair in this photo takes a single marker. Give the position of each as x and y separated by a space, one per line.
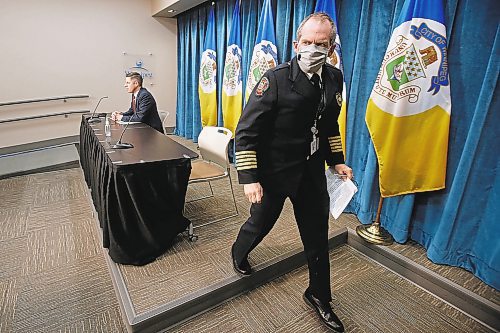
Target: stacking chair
163 117
214 165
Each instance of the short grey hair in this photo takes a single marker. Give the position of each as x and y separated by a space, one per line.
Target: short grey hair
320 16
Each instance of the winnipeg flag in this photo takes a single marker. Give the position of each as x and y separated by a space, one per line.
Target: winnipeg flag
264 54
207 81
408 113
232 96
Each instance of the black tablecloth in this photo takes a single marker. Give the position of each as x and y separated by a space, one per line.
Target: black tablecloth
138 193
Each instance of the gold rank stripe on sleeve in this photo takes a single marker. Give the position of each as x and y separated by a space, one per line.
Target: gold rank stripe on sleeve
334 138
336 147
336 150
335 144
246 159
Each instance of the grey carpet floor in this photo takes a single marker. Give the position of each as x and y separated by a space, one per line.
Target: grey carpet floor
53 275
367 298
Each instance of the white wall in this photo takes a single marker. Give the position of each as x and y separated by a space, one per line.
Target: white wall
59 47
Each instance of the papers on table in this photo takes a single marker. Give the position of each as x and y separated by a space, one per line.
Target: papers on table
341 192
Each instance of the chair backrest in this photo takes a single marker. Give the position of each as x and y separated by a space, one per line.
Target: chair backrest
213 142
163 117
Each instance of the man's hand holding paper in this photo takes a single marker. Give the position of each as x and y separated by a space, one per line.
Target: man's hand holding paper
340 189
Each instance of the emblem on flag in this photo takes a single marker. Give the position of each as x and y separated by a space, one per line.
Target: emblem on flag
208 71
232 71
409 66
264 58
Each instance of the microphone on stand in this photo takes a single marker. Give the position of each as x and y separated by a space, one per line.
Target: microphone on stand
124 145
93 118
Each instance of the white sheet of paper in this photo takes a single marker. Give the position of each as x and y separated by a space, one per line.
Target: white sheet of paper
340 191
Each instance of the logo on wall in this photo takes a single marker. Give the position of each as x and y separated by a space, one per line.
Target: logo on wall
139 67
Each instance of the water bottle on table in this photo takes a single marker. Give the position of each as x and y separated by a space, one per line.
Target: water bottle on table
107 128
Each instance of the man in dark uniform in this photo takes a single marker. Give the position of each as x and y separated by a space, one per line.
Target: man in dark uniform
143 106
286 132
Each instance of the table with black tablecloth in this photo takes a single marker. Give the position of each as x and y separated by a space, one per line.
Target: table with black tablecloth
138 193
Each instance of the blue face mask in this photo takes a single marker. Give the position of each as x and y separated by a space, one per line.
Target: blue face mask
311 57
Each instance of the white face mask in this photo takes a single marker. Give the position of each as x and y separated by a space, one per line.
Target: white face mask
311 57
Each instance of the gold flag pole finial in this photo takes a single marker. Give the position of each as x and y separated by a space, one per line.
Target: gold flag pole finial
374 233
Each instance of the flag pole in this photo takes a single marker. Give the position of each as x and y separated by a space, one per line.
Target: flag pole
374 233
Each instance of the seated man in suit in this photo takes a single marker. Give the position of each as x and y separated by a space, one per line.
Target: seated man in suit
143 107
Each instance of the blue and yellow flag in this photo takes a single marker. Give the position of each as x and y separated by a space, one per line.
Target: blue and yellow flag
335 59
408 113
232 96
207 81
265 53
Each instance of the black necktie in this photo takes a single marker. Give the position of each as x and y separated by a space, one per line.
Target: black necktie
315 80
133 103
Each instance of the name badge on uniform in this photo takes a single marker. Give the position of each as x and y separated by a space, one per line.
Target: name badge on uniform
314 145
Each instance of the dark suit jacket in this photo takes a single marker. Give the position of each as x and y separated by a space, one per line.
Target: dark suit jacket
273 136
145 111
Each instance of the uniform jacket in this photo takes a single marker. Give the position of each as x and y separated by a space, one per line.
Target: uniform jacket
145 111
273 136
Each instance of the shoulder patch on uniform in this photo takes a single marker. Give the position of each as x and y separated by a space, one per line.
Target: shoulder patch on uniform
262 86
339 99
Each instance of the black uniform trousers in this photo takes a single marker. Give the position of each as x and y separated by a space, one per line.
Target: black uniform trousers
310 206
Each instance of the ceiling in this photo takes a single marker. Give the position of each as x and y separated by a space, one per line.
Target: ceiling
172 8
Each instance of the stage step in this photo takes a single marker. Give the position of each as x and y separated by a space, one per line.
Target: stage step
38 157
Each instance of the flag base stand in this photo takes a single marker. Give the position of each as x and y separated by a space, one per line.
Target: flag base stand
374 233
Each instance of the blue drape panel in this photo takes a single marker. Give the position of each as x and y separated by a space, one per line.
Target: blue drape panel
190 35
457 225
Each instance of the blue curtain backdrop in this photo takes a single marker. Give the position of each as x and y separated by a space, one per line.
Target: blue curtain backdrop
457 225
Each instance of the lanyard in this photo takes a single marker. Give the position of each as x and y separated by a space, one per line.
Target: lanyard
319 111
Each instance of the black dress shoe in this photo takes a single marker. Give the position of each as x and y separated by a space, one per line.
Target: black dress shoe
243 268
325 312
